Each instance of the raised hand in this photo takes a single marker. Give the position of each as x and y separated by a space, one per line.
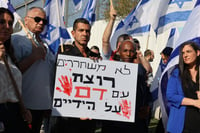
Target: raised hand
113 12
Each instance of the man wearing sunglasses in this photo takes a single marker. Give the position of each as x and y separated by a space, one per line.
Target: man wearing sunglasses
36 63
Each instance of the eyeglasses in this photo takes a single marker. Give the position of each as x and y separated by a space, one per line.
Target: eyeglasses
38 19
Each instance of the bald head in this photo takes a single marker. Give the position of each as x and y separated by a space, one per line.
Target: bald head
127 51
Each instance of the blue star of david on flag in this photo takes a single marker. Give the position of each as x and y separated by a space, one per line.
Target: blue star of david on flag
176 15
55 32
47 35
178 2
134 20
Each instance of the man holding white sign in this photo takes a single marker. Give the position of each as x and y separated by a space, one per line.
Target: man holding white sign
127 53
81 33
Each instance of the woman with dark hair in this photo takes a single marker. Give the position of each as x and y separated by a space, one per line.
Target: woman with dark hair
183 92
11 119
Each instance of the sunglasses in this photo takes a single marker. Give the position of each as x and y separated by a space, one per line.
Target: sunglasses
38 19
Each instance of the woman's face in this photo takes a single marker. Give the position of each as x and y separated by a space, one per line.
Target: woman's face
6 29
189 55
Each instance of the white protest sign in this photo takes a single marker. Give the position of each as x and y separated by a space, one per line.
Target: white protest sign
98 90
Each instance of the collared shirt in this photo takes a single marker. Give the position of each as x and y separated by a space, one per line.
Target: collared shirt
7 90
74 51
37 83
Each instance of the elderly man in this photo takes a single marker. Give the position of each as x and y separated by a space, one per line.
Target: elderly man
36 63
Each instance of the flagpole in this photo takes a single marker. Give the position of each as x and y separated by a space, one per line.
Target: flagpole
61 40
27 33
147 45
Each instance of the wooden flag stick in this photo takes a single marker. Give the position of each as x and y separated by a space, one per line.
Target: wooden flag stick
27 33
22 107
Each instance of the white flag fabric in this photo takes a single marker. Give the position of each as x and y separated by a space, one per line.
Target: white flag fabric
173 37
89 11
175 15
55 32
140 20
191 31
77 4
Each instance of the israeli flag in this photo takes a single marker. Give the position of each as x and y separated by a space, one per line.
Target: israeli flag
55 32
89 11
140 20
191 31
173 37
8 5
175 15
77 4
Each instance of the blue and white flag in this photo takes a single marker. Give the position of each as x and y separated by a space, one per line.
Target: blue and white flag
8 5
141 19
77 4
89 11
173 37
175 15
191 31
55 32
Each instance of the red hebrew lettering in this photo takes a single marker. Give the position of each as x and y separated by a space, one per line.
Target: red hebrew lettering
83 95
102 92
126 108
67 86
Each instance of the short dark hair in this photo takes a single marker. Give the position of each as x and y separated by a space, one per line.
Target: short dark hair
95 47
135 41
80 20
167 51
121 38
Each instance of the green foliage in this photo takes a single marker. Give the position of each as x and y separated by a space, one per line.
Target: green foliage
123 8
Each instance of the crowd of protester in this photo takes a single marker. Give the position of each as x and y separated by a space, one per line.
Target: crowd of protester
28 70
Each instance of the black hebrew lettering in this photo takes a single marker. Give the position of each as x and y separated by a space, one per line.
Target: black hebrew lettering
100 80
89 80
58 102
108 106
78 103
76 75
82 63
117 109
123 94
76 61
110 79
123 71
60 63
91 104
91 66
103 69
115 94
